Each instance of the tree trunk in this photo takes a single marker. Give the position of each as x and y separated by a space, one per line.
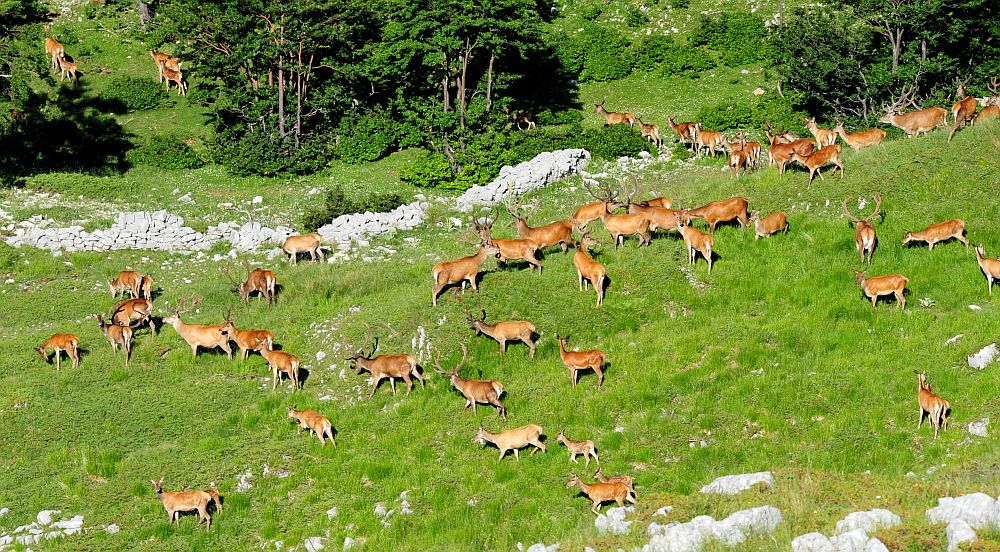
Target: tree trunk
489 83
445 82
462 84
281 97
896 37
144 14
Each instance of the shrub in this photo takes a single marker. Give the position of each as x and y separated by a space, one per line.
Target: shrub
634 17
603 58
681 4
727 115
531 143
336 203
612 142
365 137
652 50
781 113
247 153
592 12
687 62
430 170
135 94
165 152
739 37
734 114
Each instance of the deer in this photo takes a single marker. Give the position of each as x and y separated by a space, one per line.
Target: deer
591 359
161 60
686 132
695 240
932 405
989 266
315 422
175 502
258 280
306 243
129 281
863 139
575 448
864 232
876 286
620 226
752 150
964 110
607 201
55 50
823 136
474 391
939 232
247 340
134 313
67 70
61 343
624 479
280 362
175 76
589 271
829 155
716 212
146 288
383 366
508 250
603 492
502 332
708 139
781 148
613 118
464 270
512 439
518 117
738 161
773 223
207 336
992 108
559 232
117 335
651 133
917 122
660 202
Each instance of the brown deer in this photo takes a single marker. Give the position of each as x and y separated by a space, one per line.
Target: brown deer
932 405
989 266
475 391
175 502
159 59
620 226
591 359
876 286
752 150
559 232
686 132
823 136
117 335
306 243
576 448
602 492
864 232
512 439
660 218
624 479
992 108
695 240
863 139
55 50
127 281
716 212
67 70
942 231
247 340
383 366
280 362
508 250
134 313
964 110
60 343
780 151
738 161
607 201
613 118
829 155
709 139
146 288
315 422
651 133
659 202
258 280
207 336
175 76
917 122
461 270
503 332
764 227
589 271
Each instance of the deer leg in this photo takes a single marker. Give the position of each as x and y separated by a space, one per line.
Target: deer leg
579 279
75 355
708 258
229 350
531 346
594 453
194 350
517 457
901 299
503 345
596 507
417 375
58 359
409 383
920 419
989 282
472 282
586 459
600 374
572 376
392 384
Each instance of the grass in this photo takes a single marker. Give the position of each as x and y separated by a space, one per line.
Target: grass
775 360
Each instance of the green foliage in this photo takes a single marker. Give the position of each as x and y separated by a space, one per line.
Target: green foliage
680 4
165 151
652 50
365 137
73 185
591 12
734 114
475 164
612 142
739 37
257 153
600 50
431 170
135 93
634 17
727 115
336 203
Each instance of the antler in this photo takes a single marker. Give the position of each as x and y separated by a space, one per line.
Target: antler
853 218
634 191
229 314
187 303
878 207
513 206
994 85
906 97
609 195
229 275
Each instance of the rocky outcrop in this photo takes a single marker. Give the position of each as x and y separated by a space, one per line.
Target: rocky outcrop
734 484
694 535
359 227
544 169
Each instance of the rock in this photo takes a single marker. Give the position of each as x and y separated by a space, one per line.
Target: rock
734 484
613 520
320 355
983 357
539 547
979 510
868 521
313 544
812 542
693 535
759 91
852 541
954 339
45 516
4 511
331 513
348 543
663 511
257 199
113 529
958 532
875 545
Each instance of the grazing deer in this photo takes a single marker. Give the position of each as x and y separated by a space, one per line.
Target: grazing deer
512 439
208 336
559 232
660 218
764 227
620 226
890 284
175 502
475 391
603 492
134 313
963 112
175 76
829 155
607 201
659 202
591 359
823 136
942 231
60 343
917 122
695 240
863 139
651 133
503 332
864 232
613 118
989 265
686 132
258 280
461 270
306 243
934 406
315 423
589 271
247 340
575 448
716 212
708 139
67 70
624 479
280 362
127 281
383 366
782 147
55 50
117 335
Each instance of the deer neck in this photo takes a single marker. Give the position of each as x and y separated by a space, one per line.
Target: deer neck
583 486
486 329
840 131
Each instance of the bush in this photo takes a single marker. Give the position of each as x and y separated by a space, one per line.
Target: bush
532 142
592 12
634 17
431 170
687 62
727 115
336 203
135 94
739 37
612 142
602 54
365 137
742 115
780 112
549 117
165 152
681 4
652 50
257 153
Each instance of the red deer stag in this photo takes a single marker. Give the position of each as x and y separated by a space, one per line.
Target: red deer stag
502 332
475 391
864 232
260 281
383 366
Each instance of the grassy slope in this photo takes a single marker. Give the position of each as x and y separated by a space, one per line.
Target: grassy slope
778 364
